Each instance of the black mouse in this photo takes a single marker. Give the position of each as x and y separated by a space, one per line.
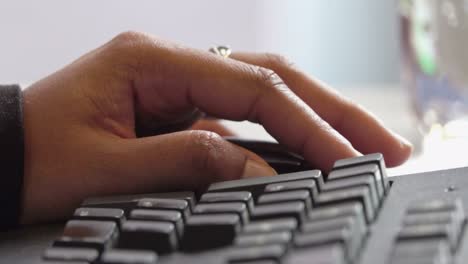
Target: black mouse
277 156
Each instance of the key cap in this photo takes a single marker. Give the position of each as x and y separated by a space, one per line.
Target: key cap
256 185
361 180
279 237
371 170
166 204
353 232
174 217
71 254
89 234
129 202
187 196
216 208
303 240
60 262
122 256
430 248
376 158
280 210
268 252
453 220
354 209
222 197
157 236
324 254
290 196
430 231
442 217
436 205
308 185
100 214
359 193
266 226
210 231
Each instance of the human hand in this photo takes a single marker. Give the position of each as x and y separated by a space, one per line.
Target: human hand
80 122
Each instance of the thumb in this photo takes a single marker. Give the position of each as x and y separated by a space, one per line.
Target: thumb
187 159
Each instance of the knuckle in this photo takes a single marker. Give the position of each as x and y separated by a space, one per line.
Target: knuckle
128 37
129 44
268 78
207 150
126 52
278 62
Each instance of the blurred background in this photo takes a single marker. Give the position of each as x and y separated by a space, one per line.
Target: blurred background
341 42
352 45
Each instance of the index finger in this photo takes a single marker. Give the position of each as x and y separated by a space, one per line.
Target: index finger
171 79
364 130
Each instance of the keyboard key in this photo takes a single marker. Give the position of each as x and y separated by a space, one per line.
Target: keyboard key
60 262
360 180
359 194
222 197
280 210
354 209
157 236
71 254
129 202
351 241
216 208
425 251
371 170
256 185
304 240
123 256
290 196
251 254
210 231
436 205
174 217
166 204
430 231
100 214
353 230
308 185
266 226
279 237
375 158
324 254
89 234
442 217
187 196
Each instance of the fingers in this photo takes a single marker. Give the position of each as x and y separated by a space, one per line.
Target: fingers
169 80
213 126
182 160
365 131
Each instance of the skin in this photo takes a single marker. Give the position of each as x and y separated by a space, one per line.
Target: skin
81 122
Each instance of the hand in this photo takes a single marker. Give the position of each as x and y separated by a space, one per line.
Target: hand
82 122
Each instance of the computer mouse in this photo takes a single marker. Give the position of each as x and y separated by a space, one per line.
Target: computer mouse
277 156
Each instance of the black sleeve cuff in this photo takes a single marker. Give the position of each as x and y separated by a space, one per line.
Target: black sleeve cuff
11 155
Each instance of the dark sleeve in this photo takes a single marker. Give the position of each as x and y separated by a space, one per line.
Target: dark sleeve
11 155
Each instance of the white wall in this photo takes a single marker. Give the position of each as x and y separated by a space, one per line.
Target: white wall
342 42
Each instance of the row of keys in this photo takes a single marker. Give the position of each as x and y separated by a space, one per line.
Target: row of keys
430 232
256 218
333 229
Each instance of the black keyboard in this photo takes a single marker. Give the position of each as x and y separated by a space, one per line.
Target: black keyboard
355 214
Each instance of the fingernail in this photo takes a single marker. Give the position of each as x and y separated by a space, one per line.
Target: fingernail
403 141
253 168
